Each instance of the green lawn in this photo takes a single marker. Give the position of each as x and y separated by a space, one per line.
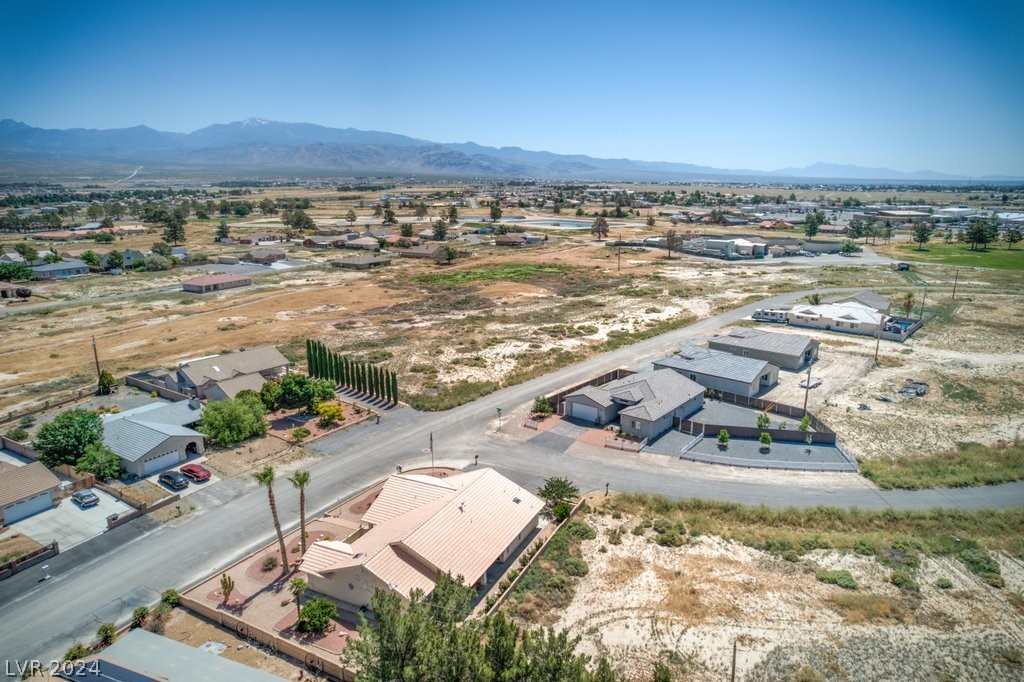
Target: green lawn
508 272
998 256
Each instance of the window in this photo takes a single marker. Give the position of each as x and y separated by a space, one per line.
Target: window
636 424
693 377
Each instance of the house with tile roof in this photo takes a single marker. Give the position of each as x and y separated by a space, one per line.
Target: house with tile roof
722 371
154 436
199 376
644 404
419 526
25 490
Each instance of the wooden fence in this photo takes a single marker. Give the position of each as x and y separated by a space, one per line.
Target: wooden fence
557 400
31 559
48 404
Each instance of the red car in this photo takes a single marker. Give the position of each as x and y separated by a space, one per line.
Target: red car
197 472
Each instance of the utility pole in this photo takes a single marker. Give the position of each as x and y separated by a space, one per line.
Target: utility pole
618 253
956 276
923 297
878 334
807 389
96 357
733 676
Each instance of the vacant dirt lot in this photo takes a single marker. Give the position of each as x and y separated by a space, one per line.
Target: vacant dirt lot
642 602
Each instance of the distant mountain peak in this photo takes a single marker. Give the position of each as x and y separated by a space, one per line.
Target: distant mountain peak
254 121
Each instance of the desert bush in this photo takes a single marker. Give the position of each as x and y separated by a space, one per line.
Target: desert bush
944 584
106 633
316 615
77 651
904 579
576 567
300 433
270 563
865 547
542 405
17 433
670 538
580 530
561 511
980 562
615 536
841 578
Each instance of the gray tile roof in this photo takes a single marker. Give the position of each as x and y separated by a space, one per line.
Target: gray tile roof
61 266
772 342
132 439
654 392
179 413
867 297
715 363
229 365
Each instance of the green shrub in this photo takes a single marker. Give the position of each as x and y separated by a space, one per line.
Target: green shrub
270 563
77 651
161 611
542 405
842 578
139 616
670 538
300 433
661 525
944 584
316 615
904 579
576 567
513 574
615 536
639 529
17 433
504 585
561 511
865 547
791 555
106 633
580 530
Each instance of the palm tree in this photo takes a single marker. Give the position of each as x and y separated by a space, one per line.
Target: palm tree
908 303
297 587
265 477
299 480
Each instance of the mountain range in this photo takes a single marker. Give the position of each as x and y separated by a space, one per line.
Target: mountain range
259 145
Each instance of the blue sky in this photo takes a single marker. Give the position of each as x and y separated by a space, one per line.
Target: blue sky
906 85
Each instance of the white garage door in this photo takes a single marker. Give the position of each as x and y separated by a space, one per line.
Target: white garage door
583 412
162 462
20 510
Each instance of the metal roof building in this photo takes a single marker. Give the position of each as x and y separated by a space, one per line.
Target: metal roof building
722 371
788 351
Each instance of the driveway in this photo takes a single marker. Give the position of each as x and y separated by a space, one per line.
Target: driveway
193 486
70 525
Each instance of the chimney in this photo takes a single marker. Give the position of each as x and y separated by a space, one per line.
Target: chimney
194 404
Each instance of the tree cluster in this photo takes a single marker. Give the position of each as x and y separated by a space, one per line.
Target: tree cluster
226 422
428 640
360 376
298 220
65 439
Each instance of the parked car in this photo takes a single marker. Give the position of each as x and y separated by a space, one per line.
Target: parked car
85 498
174 480
815 382
197 472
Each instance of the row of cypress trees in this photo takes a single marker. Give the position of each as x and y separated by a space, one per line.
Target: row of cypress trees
324 363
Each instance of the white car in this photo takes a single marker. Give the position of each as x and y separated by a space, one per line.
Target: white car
815 382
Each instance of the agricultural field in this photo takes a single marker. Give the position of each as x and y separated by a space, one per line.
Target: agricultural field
818 594
997 255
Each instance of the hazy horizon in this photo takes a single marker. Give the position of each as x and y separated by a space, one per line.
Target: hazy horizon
734 85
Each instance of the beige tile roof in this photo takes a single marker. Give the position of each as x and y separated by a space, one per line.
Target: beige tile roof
459 525
17 483
243 382
259 359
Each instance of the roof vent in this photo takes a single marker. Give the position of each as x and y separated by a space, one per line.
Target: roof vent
462 506
516 500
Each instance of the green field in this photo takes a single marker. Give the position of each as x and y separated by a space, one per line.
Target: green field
507 272
960 254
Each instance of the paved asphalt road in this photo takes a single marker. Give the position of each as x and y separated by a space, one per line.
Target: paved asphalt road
105 579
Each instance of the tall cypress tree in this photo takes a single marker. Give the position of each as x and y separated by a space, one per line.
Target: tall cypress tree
332 367
359 377
375 388
309 356
342 373
386 379
394 388
337 369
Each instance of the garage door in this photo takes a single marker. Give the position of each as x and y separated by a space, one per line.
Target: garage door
585 412
20 510
162 462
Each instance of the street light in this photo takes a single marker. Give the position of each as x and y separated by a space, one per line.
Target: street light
499 417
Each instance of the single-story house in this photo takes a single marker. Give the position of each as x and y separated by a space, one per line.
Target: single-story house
329 241
362 262
365 243
11 257
260 237
264 256
722 371
394 239
737 248
787 351
198 376
419 526
866 297
228 389
87 226
179 252
432 250
509 240
25 490
62 270
217 282
130 256
58 236
857 318
154 436
141 656
644 403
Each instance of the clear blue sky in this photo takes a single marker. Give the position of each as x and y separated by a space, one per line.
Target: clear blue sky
907 85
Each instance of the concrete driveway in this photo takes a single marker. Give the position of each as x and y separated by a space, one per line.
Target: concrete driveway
70 525
193 486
